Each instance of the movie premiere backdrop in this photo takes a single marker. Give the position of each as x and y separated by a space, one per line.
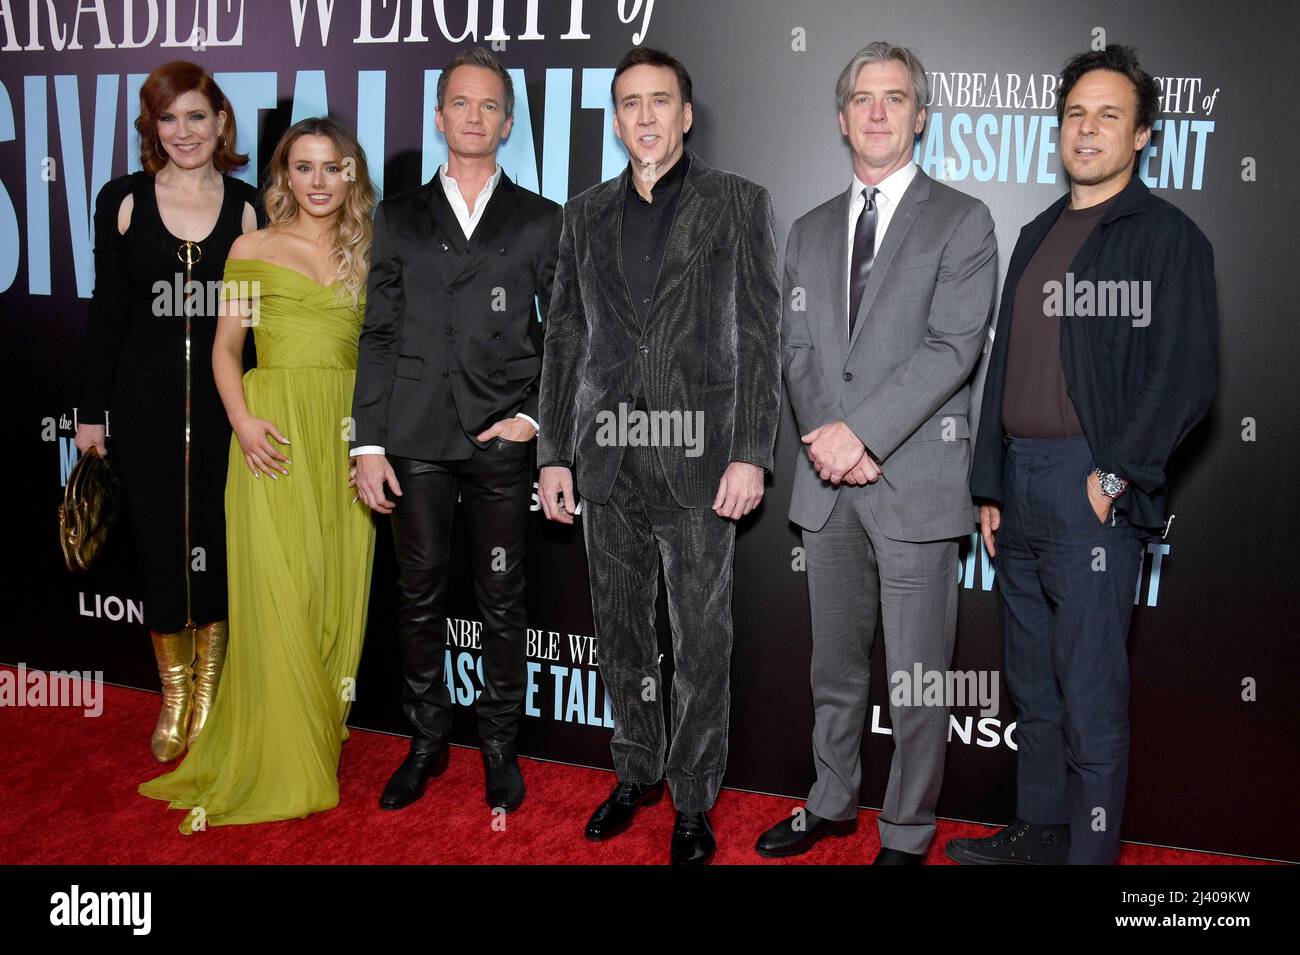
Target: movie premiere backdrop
1213 644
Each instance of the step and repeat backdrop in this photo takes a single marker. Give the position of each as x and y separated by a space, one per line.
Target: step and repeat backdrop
1213 644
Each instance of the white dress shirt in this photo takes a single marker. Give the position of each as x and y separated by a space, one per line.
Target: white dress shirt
889 193
468 222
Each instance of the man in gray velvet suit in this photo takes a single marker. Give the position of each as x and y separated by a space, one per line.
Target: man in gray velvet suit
661 391
888 292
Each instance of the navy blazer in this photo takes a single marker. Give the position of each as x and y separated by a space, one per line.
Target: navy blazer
1139 384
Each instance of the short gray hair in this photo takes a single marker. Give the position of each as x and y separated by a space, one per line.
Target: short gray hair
478 56
882 52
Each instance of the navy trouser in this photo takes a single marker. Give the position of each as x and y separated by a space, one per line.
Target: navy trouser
1067 582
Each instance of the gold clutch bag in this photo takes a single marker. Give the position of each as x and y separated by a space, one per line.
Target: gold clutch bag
90 505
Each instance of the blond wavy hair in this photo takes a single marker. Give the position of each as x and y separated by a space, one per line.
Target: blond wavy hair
353 228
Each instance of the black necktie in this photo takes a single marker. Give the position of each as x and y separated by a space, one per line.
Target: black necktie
864 254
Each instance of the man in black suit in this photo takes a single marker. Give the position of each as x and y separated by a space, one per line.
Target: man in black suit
666 318
446 407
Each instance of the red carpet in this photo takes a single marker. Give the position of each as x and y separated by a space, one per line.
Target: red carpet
69 797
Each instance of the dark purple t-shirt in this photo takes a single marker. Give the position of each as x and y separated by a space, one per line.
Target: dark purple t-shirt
1034 402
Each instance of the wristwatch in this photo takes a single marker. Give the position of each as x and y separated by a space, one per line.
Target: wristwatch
1112 485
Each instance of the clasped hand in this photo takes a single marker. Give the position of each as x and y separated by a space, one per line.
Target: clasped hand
840 456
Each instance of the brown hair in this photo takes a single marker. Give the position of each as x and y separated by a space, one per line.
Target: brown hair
159 91
1118 59
648 56
353 228
477 56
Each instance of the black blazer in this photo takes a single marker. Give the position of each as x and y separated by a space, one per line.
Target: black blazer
1138 385
711 341
452 342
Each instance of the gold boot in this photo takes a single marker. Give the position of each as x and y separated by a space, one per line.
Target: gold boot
210 650
175 655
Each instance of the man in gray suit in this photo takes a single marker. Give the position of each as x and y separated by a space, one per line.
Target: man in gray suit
888 292
666 308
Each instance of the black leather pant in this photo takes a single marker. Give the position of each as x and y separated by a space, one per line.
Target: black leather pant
495 485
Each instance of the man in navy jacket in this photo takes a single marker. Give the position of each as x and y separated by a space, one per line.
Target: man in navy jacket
1104 359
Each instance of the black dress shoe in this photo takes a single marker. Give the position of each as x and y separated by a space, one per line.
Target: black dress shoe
784 839
693 842
898 857
407 784
615 813
503 782
1021 843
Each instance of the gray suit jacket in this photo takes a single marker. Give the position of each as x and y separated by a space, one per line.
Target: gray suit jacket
711 341
902 383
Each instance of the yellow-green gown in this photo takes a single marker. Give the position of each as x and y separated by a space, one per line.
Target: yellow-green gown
299 560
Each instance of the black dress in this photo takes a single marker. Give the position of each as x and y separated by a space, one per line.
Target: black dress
136 367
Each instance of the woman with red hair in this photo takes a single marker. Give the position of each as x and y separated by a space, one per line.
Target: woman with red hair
300 545
161 239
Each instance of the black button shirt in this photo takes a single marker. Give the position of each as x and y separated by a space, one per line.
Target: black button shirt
645 231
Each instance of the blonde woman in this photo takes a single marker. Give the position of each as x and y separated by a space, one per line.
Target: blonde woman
299 549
